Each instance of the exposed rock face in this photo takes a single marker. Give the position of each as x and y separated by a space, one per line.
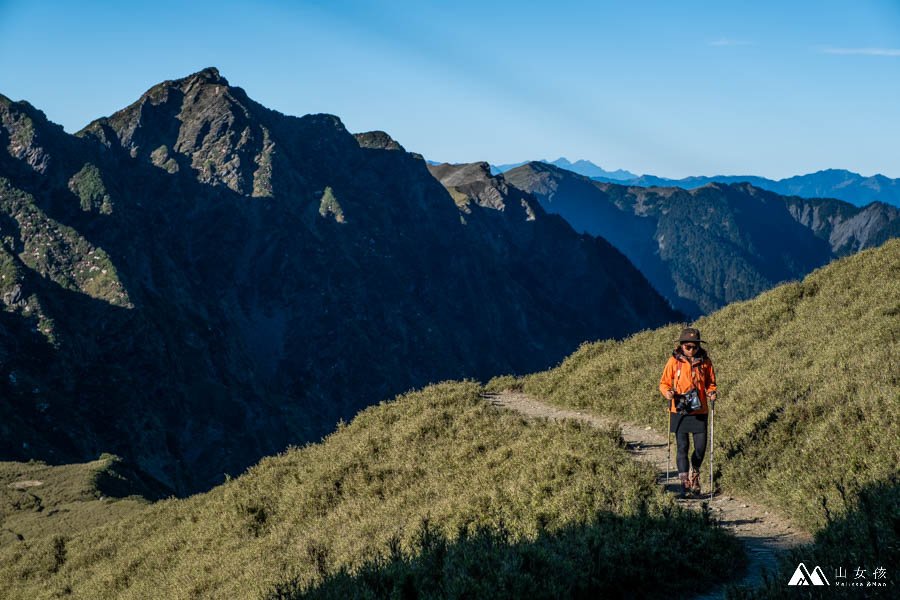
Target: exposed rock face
847 228
197 281
716 244
377 140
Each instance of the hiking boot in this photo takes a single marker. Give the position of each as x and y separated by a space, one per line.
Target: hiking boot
685 485
694 481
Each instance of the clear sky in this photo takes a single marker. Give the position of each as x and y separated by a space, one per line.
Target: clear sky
672 88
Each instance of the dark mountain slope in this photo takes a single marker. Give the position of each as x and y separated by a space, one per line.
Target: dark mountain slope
588 293
197 281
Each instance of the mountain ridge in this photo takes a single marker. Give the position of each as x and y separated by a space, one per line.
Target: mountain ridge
197 281
474 188
580 166
706 247
841 184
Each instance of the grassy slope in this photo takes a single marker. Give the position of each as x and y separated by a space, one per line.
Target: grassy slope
809 380
324 511
809 414
39 501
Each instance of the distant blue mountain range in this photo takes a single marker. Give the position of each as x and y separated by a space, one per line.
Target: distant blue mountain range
582 167
830 183
848 186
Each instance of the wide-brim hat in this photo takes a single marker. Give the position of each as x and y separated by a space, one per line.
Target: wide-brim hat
690 334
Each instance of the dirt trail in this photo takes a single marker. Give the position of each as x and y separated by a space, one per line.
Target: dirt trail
760 530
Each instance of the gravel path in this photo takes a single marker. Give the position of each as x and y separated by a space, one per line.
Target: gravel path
762 531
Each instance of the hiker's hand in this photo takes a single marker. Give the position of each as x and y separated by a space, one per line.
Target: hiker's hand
712 395
670 394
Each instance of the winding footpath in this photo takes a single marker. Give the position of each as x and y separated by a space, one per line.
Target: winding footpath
761 530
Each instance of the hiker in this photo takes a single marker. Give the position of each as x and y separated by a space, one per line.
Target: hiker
689 384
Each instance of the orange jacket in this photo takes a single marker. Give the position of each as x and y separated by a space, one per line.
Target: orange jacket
683 375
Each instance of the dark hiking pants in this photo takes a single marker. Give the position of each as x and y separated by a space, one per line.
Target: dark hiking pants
682 453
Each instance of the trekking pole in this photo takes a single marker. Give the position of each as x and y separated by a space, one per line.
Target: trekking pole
712 439
668 445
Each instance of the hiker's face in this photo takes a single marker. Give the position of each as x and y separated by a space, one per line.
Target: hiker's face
689 349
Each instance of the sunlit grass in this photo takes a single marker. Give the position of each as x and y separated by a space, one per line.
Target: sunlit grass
425 490
809 381
301 518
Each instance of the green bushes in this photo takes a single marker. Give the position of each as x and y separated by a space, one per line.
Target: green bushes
87 184
650 557
865 536
161 158
329 205
57 251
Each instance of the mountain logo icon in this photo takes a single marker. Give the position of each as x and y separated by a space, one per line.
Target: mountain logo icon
802 576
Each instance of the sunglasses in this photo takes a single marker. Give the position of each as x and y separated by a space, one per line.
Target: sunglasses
689 346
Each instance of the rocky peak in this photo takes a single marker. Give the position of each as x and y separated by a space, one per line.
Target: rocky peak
26 134
845 227
473 182
186 85
541 178
712 186
208 75
546 172
378 140
542 167
197 124
462 174
201 126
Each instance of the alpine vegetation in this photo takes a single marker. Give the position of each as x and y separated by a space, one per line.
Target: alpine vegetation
436 493
807 420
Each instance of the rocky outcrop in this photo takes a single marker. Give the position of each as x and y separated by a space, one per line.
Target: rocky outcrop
847 228
377 140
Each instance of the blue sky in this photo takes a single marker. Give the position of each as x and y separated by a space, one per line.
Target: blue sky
668 88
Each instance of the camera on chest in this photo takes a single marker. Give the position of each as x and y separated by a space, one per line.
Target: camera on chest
687 402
